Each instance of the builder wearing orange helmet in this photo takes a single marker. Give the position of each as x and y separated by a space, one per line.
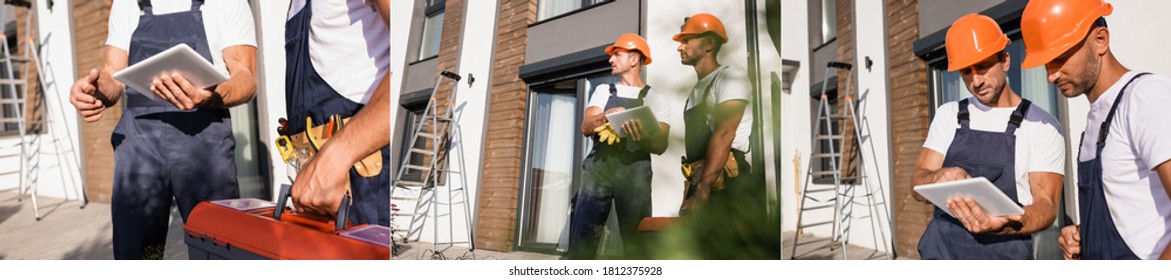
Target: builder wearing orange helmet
618 170
729 211
996 135
1124 209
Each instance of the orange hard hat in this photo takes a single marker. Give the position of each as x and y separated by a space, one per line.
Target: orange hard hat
973 38
1052 27
699 24
631 42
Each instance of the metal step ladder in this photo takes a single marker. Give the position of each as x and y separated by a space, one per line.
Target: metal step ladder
841 197
425 170
30 144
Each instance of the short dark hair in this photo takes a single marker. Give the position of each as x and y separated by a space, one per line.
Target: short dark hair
716 40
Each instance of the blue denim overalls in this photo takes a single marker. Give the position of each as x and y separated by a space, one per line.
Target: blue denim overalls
161 152
1100 238
308 95
619 172
987 154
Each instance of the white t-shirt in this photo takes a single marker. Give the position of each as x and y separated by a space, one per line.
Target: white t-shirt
1039 144
226 22
349 45
1139 140
657 103
732 85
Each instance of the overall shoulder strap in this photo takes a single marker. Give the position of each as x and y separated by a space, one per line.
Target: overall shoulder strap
1104 130
1018 116
963 117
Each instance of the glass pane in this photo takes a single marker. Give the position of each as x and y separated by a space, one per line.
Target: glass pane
829 20
432 29
1029 83
248 161
550 168
551 8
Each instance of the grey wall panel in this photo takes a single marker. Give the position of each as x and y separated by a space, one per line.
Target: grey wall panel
938 15
420 76
582 30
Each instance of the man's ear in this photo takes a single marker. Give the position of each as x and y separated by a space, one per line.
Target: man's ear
1006 60
1100 39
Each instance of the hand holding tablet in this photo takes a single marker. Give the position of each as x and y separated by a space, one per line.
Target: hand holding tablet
991 200
179 73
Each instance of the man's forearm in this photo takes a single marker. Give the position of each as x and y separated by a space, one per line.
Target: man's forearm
241 87
717 153
367 131
921 177
109 90
1038 216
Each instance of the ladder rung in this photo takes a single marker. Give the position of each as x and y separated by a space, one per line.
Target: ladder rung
817 207
826 155
13 81
409 184
400 214
426 135
19 59
819 190
834 117
416 167
815 224
422 151
829 137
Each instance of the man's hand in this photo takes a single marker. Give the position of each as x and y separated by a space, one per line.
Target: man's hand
321 184
634 129
975 220
950 174
83 97
1070 242
178 91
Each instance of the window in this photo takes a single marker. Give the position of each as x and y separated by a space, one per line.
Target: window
829 20
11 102
551 8
432 30
551 176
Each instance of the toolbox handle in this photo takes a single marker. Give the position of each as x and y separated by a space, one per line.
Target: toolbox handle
343 212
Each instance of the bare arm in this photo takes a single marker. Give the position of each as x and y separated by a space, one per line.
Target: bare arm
241 87
928 165
1164 171
1046 188
109 89
592 119
728 115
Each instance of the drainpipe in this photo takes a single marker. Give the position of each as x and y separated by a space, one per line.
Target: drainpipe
756 141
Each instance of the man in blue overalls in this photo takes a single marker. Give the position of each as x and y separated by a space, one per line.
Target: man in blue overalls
181 149
338 61
618 170
997 135
1123 173
728 220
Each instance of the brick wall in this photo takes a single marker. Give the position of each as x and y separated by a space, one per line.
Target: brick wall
89 20
496 226
845 53
34 108
909 120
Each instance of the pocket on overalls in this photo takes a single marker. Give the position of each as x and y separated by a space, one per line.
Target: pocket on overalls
981 169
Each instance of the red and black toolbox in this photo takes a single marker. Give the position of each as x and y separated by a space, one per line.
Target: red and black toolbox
253 229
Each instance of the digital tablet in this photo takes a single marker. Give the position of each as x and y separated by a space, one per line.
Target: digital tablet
180 58
990 199
642 113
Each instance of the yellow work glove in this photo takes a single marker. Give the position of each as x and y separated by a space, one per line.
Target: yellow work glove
606 134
